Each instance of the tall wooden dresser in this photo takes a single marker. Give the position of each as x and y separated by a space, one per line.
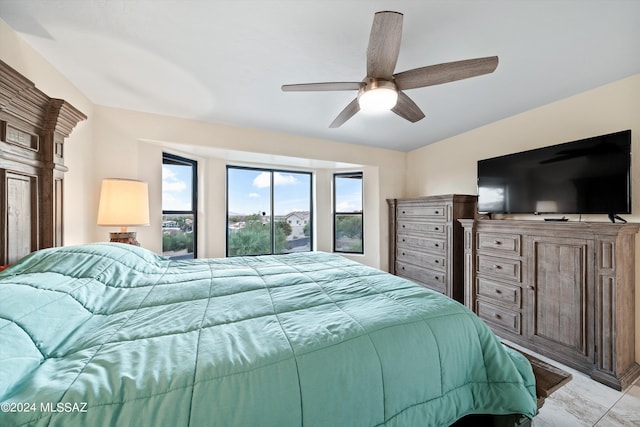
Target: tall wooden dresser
426 240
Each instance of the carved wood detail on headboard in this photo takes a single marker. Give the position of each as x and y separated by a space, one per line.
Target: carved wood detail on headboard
33 128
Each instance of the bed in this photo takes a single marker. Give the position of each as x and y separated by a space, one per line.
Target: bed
115 335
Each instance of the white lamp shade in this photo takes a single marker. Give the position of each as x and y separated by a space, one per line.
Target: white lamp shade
378 100
123 202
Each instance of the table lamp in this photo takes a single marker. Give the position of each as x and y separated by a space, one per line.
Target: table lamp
123 203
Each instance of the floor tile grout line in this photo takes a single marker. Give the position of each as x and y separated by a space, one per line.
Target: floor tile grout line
624 393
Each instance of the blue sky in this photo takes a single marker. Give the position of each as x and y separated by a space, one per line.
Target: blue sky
176 187
249 191
348 195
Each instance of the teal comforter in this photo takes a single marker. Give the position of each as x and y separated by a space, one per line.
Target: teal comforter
114 335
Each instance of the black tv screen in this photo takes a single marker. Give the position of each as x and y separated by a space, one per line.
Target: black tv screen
589 176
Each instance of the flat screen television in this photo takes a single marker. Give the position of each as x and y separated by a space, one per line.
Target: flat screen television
589 176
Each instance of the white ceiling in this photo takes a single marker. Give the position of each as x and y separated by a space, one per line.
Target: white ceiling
224 61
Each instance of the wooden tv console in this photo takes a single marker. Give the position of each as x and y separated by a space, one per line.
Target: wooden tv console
563 289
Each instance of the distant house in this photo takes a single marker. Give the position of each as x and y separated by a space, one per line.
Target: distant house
170 227
236 226
297 221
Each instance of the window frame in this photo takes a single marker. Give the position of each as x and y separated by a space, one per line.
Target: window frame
336 213
180 160
272 172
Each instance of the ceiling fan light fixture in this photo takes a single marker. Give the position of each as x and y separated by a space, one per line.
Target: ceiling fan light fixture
377 96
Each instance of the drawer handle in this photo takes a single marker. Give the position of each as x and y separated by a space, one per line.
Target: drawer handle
436 277
403 268
497 242
404 212
437 261
497 316
497 267
403 240
531 287
437 212
498 291
402 253
402 225
437 245
437 228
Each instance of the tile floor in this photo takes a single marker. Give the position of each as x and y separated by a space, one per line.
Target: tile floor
584 402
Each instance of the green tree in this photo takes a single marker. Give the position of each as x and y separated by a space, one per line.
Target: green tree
177 242
255 238
285 227
349 226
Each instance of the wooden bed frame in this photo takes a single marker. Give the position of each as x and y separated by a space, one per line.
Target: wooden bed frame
33 128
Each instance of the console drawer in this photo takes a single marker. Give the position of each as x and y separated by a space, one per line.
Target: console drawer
509 269
502 243
499 292
500 317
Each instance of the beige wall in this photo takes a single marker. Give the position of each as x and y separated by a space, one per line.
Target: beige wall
79 213
450 166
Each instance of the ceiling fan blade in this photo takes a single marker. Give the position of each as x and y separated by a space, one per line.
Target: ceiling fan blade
384 44
348 112
445 73
407 109
317 87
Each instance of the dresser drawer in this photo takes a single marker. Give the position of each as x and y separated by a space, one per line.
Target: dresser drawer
432 245
432 261
421 227
499 292
498 316
432 211
509 269
508 244
430 278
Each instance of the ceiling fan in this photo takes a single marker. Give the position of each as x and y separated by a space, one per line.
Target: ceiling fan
383 90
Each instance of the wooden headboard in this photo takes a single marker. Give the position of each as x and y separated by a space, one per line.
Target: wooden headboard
32 132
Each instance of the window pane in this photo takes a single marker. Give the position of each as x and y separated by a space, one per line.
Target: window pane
348 233
248 212
177 194
292 212
178 236
347 210
348 193
179 216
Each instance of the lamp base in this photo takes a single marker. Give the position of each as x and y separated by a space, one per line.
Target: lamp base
128 237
